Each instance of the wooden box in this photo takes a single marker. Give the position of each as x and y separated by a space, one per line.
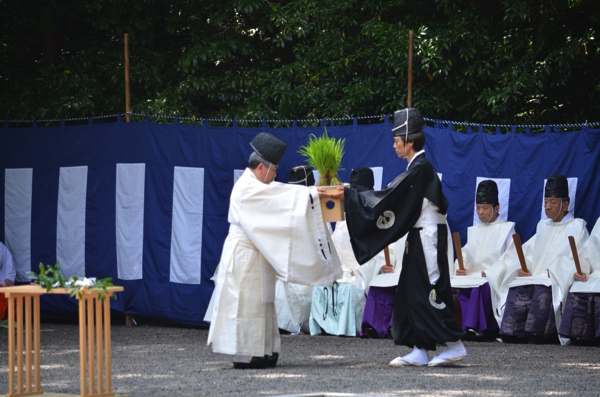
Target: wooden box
333 210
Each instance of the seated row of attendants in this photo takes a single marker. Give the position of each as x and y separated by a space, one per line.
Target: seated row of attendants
547 303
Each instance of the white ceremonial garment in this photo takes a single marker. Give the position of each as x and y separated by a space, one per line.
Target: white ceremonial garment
275 230
391 279
486 242
7 268
292 304
363 274
589 259
547 253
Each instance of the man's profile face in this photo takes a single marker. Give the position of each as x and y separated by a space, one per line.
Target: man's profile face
266 174
400 147
555 208
487 212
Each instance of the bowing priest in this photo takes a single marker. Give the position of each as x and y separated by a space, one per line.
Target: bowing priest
412 203
532 299
581 318
477 284
275 230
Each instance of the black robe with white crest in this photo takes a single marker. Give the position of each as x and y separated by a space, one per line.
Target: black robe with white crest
423 313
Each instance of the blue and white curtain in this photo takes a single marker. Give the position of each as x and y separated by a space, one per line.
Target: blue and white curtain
146 203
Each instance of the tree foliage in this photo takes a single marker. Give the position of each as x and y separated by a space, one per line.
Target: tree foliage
512 61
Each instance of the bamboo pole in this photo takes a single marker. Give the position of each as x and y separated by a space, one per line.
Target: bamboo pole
519 247
127 96
410 55
575 255
457 247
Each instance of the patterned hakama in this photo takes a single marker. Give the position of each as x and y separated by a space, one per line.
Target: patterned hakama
581 318
529 313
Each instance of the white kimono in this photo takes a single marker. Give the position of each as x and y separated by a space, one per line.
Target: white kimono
589 259
486 242
275 230
547 253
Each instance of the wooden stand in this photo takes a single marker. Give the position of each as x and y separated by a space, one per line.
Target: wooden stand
26 302
94 340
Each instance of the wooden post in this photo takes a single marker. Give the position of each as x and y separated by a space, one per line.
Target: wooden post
410 55
519 247
127 96
575 255
458 249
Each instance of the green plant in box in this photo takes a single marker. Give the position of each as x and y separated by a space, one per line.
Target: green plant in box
325 155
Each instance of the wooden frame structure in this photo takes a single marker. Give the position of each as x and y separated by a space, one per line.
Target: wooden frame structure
94 340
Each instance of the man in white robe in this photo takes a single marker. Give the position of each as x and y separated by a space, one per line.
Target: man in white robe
581 317
275 230
531 301
478 284
7 277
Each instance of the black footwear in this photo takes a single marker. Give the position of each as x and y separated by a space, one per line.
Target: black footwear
272 360
255 363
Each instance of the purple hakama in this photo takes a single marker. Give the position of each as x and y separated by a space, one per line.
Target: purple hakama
477 312
377 316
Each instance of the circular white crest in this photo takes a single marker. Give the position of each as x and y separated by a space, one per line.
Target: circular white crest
432 300
386 220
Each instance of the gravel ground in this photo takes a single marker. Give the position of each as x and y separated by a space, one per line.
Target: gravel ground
152 360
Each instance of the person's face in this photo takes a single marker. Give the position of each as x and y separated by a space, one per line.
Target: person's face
555 208
487 212
266 174
400 148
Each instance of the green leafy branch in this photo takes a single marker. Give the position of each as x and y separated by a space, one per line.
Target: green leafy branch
49 277
325 155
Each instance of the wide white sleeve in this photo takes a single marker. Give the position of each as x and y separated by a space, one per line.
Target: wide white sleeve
285 223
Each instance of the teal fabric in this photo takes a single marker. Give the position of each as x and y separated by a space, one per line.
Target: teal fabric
338 316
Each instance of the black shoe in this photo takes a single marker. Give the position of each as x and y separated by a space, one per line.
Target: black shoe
272 360
255 363
371 333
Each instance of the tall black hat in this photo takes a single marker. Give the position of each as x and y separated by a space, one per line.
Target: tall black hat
557 186
302 175
407 121
269 147
362 179
487 193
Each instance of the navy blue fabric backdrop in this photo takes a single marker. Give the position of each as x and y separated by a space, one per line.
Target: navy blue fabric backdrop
526 159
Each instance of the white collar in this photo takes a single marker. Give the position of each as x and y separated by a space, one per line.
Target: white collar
415 156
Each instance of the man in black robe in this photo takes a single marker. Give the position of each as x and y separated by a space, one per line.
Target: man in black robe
412 203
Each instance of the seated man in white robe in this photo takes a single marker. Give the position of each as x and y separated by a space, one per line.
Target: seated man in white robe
534 297
7 277
486 242
292 300
581 317
275 230
338 309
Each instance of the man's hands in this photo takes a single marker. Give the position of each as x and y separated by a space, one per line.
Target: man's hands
460 272
387 269
580 277
524 274
8 283
331 194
